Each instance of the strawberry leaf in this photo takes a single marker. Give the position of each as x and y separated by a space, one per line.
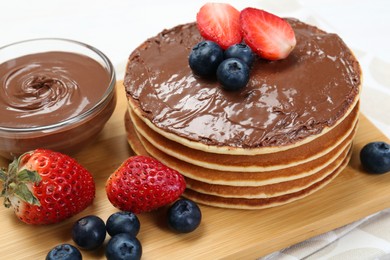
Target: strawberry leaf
3 175
7 202
29 176
24 193
2 194
13 167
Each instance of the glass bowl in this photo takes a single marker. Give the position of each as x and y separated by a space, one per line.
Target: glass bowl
54 93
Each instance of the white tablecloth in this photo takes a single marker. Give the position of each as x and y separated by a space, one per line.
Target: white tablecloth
117 27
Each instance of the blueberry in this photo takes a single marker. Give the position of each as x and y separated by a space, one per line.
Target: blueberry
184 216
240 51
64 252
205 58
233 74
123 222
123 246
375 157
89 232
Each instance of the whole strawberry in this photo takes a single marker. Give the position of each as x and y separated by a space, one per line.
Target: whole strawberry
46 187
142 184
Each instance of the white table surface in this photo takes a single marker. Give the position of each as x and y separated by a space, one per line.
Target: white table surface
116 27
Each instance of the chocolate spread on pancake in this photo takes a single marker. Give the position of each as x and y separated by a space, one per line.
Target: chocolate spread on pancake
285 101
46 88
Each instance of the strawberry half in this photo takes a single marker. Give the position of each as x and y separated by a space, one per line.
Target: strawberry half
46 187
268 35
220 23
143 184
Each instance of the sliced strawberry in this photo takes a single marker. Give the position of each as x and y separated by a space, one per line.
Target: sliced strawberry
268 35
220 23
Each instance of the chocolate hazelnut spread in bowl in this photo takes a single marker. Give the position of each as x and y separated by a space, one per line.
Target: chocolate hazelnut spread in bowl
54 93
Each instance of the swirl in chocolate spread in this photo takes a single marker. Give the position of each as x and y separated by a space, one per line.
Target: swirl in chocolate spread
284 101
47 88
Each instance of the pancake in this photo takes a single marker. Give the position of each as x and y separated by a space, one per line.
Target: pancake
240 178
264 162
270 190
243 203
269 115
285 135
245 190
239 202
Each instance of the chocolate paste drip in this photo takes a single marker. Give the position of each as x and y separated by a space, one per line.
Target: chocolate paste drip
285 101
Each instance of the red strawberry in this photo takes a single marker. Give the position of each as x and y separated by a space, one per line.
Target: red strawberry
268 35
220 23
45 187
143 184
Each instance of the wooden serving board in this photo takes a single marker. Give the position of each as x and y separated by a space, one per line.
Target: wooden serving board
223 233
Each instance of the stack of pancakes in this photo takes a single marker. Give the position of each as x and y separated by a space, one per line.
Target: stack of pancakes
285 135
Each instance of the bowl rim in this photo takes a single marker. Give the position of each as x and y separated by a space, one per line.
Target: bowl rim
105 98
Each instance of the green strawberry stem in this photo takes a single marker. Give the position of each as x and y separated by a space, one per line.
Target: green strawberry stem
15 183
